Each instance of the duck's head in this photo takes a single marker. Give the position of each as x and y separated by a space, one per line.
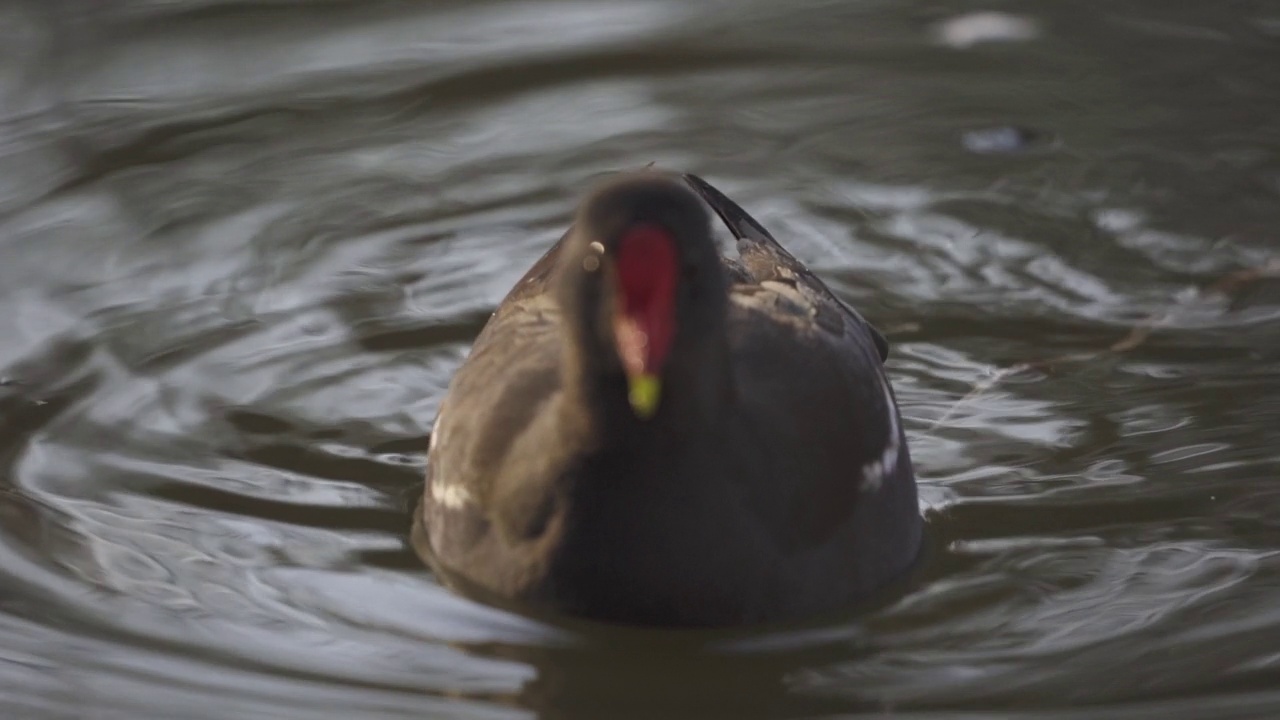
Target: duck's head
641 285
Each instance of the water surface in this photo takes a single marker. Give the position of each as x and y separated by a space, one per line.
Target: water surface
244 245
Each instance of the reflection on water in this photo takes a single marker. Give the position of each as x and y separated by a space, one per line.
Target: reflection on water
243 246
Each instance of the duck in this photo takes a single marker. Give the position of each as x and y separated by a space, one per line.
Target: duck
649 431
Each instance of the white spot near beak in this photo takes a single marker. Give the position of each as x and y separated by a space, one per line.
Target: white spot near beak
591 263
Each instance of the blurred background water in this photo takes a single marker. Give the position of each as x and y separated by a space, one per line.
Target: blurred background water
245 243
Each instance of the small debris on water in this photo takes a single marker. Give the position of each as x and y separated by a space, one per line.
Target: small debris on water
978 28
1004 139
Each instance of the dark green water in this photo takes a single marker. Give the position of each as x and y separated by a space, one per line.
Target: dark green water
244 244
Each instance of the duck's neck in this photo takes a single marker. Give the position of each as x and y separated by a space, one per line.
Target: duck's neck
697 391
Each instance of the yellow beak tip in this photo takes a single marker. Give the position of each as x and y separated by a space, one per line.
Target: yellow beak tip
644 393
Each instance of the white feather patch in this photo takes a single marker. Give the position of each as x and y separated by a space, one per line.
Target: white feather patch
445 494
874 472
434 438
450 495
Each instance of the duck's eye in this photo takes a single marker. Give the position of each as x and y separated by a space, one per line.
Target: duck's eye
591 262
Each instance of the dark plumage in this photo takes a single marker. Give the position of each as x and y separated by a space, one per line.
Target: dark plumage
772 479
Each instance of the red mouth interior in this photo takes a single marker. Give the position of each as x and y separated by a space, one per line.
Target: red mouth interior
647 270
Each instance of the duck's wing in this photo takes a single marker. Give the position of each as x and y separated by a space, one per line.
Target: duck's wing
512 369
813 394
765 260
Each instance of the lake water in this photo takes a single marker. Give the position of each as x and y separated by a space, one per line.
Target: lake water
245 243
